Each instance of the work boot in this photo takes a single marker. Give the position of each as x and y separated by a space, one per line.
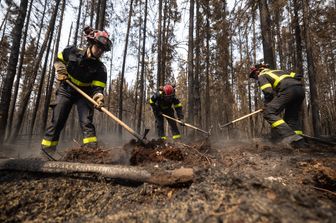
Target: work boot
293 141
91 145
48 153
300 144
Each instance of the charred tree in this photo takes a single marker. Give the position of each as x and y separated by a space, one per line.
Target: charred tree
77 23
6 90
266 33
207 73
311 70
191 64
26 95
122 75
159 48
142 76
52 77
102 14
198 62
19 71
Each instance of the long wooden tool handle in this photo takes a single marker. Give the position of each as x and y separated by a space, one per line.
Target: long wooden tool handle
105 111
241 118
186 124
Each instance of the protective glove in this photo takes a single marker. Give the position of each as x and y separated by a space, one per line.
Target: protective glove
99 98
62 73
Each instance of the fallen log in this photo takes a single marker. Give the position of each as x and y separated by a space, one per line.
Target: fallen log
163 178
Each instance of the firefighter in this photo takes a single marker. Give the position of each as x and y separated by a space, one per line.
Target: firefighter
282 91
165 102
83 68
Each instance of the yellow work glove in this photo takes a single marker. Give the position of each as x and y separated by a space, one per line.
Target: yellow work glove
61 71
99 98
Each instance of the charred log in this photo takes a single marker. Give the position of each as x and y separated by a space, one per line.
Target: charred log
164 178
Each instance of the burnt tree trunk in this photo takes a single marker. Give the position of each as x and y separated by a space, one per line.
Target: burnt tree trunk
6 90
311 71
207 64
19 71
142 76
30 84
266 33
191 64
159 81
197 90
102 14
121 87
52 77
77 23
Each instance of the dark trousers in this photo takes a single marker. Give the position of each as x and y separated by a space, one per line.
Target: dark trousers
159 120
65 98
290 100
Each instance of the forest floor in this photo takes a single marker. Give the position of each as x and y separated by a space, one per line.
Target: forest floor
246 181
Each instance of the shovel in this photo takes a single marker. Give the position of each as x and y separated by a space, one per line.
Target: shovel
131 131
186 124
238 119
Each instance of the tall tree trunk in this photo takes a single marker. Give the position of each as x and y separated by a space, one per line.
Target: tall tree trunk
299 60
26 95
207 59
6 90
41 26
142 79
102 14
159 45
266 33
191 63
136 87
197 94
69 37
279 37
52 78
19 71
4 23
311 71
92 12
123 68
77 23
97 13
39 88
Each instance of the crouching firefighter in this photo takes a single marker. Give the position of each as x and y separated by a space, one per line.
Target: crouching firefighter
282 91
83 68
165 102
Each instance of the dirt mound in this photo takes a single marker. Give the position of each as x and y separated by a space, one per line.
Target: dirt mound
234 182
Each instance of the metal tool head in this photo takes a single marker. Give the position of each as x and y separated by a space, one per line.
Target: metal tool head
145 134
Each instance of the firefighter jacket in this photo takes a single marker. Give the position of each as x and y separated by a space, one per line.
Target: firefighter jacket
272 82
162 104
89 74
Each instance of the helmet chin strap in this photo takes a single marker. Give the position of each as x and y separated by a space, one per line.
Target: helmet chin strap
91 55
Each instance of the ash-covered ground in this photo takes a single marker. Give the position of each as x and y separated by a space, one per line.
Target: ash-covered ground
234 181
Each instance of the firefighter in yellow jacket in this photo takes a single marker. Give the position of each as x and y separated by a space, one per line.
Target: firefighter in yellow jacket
282 91
83 68
165 102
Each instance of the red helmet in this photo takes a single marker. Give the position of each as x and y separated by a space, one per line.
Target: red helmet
100 38
168 90
256 68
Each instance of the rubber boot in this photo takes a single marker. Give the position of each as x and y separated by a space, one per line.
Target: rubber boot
48 153
294 141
